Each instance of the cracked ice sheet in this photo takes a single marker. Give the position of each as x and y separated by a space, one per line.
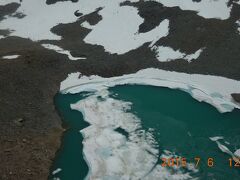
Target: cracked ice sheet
109 154
214 90
206 8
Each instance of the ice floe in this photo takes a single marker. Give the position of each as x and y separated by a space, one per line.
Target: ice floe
11 57
165 54
214 90
62 51
216 138
56 171
112 155
205 8
225 149
237 153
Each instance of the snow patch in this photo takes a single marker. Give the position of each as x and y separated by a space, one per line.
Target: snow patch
200 87
11 57
61 51
165 54
238 23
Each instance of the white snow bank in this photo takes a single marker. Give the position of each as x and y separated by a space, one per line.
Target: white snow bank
11 57
111 155
211 89
205 8
165 54
61 51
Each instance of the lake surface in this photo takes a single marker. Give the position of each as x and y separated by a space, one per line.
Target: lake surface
179 124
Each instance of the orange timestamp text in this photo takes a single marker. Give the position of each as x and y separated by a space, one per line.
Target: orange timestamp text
182 162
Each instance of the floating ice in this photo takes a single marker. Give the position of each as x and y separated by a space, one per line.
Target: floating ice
225 149
61 51
237 153
216 138
11 57
56 171
205 8
165 54
111 155
200 87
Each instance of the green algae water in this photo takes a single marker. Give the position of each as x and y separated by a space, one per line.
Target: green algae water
180 124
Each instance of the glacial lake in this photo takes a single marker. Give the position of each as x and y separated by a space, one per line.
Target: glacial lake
178 123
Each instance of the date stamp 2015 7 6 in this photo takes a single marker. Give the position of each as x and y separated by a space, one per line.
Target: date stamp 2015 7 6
182 162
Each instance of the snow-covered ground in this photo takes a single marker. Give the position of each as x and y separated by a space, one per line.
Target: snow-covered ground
211 89
117 32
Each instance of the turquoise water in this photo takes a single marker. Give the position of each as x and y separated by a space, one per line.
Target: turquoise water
70 158
181 125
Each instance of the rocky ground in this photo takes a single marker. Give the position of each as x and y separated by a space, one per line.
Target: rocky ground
30 128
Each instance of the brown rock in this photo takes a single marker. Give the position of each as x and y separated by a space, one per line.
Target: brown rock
236 97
